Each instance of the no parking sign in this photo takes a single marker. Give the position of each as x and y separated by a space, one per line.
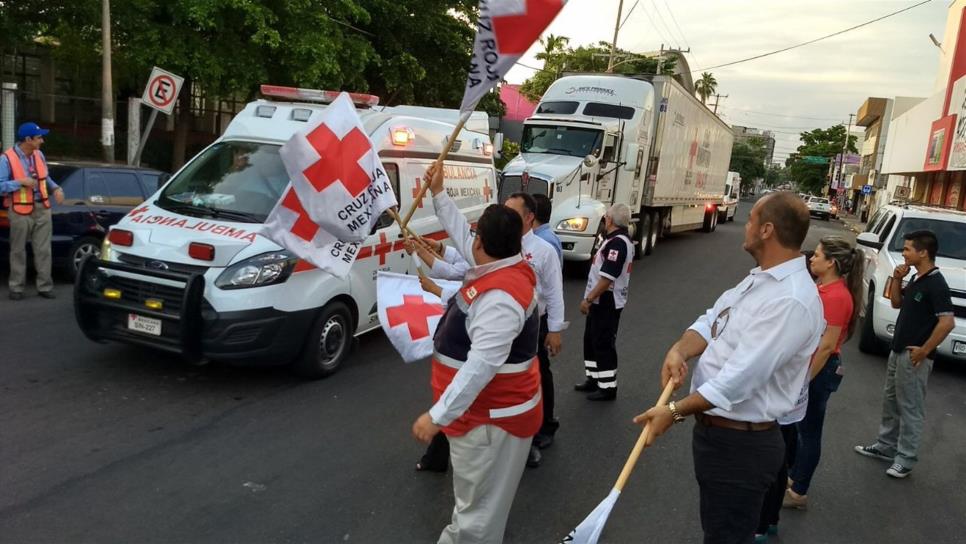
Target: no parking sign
162 90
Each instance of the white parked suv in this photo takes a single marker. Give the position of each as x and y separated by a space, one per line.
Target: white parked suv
819 206
882 244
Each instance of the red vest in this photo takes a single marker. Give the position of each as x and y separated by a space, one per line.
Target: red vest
22 200
512 399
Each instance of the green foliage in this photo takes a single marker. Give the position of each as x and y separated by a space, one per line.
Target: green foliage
748 159
775 175
492 104
510 150
812 178
706 86
559 58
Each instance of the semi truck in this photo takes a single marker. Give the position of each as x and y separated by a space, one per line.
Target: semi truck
598 139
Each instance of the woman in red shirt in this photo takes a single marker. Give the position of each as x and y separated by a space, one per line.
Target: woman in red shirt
839 268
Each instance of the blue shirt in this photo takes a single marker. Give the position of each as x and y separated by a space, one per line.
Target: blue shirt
545 232
7 183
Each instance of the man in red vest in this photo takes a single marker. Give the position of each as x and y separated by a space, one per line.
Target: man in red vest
485 372
26 190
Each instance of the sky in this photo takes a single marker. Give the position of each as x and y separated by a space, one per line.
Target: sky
815 86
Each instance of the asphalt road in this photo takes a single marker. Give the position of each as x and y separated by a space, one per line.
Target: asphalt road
110 443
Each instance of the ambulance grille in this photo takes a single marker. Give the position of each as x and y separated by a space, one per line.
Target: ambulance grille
167 266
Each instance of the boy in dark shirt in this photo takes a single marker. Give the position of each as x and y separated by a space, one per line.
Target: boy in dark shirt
925 319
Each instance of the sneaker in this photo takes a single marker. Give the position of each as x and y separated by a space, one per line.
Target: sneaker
773 529
872 451
794 500
47 294
759 538
898 471
16 296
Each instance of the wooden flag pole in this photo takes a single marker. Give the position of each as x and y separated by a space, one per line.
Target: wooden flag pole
439 164
641 440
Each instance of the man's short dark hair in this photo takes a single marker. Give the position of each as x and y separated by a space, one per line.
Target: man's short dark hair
499 231
924 240
543 207
528 201
789 214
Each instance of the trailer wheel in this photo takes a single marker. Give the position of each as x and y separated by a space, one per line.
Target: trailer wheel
652 222
710 220
329 343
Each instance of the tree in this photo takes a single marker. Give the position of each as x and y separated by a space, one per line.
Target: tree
706 86
775 175
592 59
826 143
748 159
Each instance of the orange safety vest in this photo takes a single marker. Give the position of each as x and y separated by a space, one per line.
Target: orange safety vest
22 201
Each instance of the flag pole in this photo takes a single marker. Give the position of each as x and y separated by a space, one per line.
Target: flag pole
464 117
641 440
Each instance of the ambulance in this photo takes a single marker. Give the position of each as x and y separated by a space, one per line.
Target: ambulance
190 273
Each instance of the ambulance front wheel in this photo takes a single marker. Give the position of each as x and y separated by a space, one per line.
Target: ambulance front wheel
329 342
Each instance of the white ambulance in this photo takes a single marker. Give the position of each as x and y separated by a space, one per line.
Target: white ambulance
188 271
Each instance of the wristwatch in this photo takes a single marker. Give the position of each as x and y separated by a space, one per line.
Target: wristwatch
678 417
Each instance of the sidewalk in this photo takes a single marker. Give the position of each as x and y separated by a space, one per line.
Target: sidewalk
852 223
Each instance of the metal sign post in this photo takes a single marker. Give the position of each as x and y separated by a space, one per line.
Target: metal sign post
160 94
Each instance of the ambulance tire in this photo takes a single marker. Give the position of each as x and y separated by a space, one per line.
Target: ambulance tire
330 341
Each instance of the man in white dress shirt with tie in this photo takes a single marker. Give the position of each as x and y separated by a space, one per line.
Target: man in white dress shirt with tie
754 347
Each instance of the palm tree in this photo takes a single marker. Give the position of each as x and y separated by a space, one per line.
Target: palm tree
706 86
552 45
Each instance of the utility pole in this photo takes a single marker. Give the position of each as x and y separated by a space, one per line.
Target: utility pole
717 100
107 93
845 146
613 45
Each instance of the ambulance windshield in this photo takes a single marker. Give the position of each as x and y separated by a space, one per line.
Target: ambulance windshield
237 181
560 140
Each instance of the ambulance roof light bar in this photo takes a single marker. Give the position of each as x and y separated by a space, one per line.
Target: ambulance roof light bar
316 95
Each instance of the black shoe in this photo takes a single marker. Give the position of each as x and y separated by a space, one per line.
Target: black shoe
533 459
543 441
16 296
47 294
603 394
587 386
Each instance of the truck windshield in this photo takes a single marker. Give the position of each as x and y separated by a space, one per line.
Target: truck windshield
951 235
576 142
240 181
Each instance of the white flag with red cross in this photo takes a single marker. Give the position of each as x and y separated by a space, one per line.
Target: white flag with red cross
289 226
504 32
408 314
337 174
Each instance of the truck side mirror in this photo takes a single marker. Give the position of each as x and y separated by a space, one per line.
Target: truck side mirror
498 145
630 157
590 161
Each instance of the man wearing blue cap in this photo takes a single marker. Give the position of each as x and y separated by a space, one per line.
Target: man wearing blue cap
26 188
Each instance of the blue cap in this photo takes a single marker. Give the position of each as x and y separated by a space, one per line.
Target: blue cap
29 130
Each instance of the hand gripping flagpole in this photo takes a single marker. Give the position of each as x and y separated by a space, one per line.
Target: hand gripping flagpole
589 530
464 117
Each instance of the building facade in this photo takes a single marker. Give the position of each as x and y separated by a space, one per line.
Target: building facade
743 134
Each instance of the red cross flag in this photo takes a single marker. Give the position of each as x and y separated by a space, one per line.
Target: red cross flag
504 32
408 314
337 174
289 226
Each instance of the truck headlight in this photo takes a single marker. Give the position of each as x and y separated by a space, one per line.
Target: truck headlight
265 269
577 224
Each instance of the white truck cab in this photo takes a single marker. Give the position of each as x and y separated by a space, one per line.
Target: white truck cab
882 245
189 271
598 139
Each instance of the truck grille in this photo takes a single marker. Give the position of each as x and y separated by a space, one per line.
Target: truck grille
513 184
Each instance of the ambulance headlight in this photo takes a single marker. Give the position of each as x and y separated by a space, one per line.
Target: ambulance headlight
257 271
575 224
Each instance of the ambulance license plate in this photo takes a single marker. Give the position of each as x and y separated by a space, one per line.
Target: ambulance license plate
147 325
959 348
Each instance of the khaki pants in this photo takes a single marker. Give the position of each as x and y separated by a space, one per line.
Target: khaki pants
903 408
487 465
36 228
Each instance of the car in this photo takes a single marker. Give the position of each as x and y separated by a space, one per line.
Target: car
820 207
96 196
882 245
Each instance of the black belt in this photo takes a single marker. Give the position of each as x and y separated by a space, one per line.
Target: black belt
709 420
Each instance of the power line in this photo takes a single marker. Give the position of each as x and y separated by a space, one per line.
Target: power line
786 115
675 21
629 12
815 40
664 23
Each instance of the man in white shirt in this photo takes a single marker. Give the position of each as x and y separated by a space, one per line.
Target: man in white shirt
485 374
754 346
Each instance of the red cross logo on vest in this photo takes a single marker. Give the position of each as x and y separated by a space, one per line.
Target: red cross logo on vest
415 313
338 160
